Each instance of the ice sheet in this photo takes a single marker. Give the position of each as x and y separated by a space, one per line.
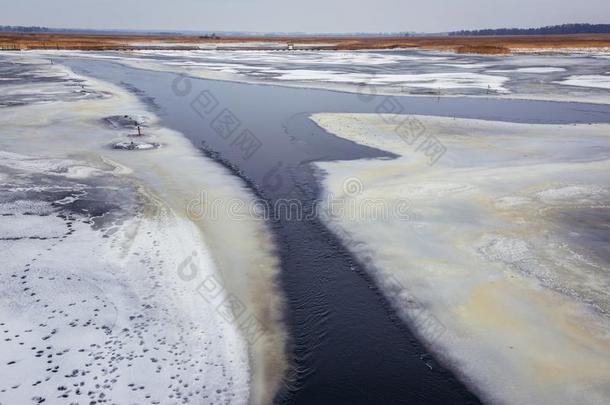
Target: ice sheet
495 254
132 249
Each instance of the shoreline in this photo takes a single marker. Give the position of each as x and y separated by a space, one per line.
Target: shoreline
463 44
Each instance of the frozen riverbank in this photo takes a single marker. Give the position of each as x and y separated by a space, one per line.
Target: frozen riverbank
177 270
500 262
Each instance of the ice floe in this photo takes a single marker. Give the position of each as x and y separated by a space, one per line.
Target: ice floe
595 81
428 80
135 145
540 69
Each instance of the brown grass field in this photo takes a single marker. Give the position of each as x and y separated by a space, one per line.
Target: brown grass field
462 44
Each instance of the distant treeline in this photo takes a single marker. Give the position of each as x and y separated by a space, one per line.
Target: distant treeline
17 28
549 30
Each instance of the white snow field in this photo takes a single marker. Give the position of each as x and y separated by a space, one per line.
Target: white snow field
499 247
110 291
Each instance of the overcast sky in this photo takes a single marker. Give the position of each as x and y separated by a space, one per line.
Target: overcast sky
304 16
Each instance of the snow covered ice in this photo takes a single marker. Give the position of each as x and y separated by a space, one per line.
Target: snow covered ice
94 306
